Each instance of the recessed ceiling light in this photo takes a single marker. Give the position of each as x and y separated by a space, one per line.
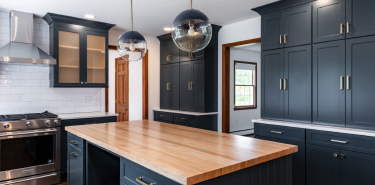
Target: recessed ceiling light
167 29
90 16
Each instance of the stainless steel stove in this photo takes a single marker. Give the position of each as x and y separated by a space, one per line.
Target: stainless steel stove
30 149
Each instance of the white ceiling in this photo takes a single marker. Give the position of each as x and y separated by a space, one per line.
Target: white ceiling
250 47
150 16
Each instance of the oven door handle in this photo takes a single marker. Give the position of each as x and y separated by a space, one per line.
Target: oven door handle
27 179
17 133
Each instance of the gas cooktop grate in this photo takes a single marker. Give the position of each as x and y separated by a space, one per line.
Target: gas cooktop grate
16 117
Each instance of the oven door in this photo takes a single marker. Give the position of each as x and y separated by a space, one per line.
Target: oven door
29 152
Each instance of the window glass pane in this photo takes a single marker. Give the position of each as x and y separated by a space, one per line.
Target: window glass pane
245 84
95 59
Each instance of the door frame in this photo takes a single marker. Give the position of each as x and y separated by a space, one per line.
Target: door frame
225 98
144 85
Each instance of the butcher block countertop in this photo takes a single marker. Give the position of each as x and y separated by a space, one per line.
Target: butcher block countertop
183 154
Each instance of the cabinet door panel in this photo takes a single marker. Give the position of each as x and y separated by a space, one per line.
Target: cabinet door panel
272 29
297 26
357 168
198 85
198 55
297 86
272 73
175 53
184 56
328 93
186 95
165 50
360 66
360 14
165 93
75 168
322 167
175 86
327 18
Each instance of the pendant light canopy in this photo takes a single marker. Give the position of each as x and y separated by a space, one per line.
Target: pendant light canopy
131 45
191 30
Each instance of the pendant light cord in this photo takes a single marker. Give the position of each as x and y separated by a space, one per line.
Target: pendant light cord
191 4
131 4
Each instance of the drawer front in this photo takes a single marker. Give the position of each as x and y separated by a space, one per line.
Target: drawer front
186 119
76 143
134 174
351 142
73 122
165 116
280 132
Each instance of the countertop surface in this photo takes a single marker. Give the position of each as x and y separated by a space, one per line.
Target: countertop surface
183 154
317 127
86 115
187 112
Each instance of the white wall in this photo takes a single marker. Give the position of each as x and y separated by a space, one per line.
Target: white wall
25 89
240 31
241 119
135 77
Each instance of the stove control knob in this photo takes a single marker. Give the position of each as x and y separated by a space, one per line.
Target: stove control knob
56 122
28 123
6 125
48 122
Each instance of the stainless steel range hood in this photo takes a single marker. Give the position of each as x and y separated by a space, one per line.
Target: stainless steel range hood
21 48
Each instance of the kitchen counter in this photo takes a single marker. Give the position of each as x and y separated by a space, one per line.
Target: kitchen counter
185 155
86 115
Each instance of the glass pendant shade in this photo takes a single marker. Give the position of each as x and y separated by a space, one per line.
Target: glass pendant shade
191 30
132 46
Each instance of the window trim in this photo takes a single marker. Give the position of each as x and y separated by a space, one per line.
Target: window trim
255 106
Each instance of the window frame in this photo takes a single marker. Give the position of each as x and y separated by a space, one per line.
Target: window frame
255 87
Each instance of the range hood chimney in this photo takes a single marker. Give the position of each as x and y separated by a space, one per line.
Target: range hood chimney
21 48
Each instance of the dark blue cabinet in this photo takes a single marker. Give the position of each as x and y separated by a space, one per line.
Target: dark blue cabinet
357 168
207 122
76 165
329 83
360 16
328 20
170 86
169 52
272 31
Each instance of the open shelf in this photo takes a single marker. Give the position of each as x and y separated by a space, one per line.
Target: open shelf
66 66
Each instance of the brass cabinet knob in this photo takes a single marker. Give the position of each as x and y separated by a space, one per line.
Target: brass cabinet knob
335 155
342 156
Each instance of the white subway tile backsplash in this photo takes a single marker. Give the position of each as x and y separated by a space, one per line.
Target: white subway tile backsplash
4 15
20 90
65 110
39 90
4 90
81 109
10 98
94 108
31 110
74 103
10 111
65 97
49 109
39 76
57 103
5 105
20 75
20 105
30 69
30 97
8 83
44 83
48 97
10 67
30 83
45 70
39 104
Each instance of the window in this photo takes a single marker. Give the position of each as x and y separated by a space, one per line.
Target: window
245 85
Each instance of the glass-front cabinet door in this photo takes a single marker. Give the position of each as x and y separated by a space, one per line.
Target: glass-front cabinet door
96 57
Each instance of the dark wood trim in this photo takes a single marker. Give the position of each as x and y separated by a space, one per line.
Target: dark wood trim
106 100
112 47
255 86
225 112
145 87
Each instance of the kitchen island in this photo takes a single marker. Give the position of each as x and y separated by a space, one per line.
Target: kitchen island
151 153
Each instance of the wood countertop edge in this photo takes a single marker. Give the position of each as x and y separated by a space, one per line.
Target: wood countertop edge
193 179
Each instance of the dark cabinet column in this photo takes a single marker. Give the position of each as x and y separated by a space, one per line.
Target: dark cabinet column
175 86
360 16
198 85
186 94
357 168
165 50
329 83
328 20
165 87
272 31
360 88
197 55
272 84
175 53
322 165
297 26
185 56
297 83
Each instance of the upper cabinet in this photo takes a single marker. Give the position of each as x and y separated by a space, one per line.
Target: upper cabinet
169 52
81 49
360 17
286 29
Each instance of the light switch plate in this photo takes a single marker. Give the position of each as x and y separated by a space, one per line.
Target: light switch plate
86 100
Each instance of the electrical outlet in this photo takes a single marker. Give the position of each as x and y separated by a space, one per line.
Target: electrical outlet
86 100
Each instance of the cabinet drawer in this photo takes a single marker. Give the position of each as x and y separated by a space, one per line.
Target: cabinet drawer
280 132
341 141
166 116
76 143
130 172
75 168
186 119
86 121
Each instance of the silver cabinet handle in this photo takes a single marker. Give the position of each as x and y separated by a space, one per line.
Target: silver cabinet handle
285 42
338 141
140 181
348 82
341 30
281 39
285 88
281 84
277 132
341 82
348 27
27 132
27 179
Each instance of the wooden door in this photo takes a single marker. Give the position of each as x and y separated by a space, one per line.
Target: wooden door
297 26
297 83
360 17
360 89
122 89
357 168
186 94
165 52
272 31
328 20
322 165
198 85
165 86
328 83
272 84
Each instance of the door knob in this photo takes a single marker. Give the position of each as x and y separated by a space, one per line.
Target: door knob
125 109
335 155
342 156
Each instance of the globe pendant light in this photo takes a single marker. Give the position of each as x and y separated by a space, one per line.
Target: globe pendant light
131 45
191 30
